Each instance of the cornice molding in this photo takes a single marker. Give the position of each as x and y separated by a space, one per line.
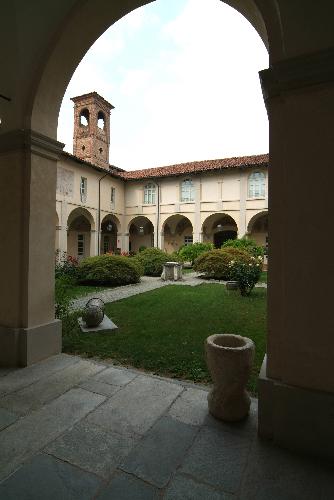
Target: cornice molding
34 142
298 72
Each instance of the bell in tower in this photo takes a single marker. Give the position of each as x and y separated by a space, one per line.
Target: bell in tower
91 138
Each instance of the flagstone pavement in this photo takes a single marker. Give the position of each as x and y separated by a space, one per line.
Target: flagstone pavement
78 429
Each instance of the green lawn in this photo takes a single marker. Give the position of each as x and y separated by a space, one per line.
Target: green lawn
163 331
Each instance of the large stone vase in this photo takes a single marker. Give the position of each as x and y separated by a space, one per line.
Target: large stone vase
229 359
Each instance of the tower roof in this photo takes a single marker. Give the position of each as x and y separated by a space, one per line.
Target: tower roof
94 96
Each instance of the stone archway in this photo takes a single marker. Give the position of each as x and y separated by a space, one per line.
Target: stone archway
80 225
257 228
141 233
218 228
110 227
177 231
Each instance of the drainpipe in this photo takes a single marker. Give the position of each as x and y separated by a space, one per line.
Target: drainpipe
99 216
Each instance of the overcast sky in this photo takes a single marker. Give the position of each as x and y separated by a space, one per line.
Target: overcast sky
183 77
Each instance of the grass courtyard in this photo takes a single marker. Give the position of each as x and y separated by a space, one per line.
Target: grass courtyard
163 331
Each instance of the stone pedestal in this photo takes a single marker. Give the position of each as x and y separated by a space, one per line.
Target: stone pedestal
172 271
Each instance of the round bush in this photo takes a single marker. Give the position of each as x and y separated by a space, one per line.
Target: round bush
109 270
152 261
216 264
189 253
246 244
175 257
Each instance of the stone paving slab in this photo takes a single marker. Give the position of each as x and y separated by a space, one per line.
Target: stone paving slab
45 477
5 371
115 376
92 448
218 458
160 452
99 387
126 487
278 474
22 377
135 408
30 434
185 488
49 387
191 407
6 418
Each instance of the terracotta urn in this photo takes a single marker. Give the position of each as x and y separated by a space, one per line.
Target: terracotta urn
229 359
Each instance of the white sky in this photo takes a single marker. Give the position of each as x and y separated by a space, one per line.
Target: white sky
183 77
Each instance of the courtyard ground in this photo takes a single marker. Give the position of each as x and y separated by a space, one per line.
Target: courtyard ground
75 429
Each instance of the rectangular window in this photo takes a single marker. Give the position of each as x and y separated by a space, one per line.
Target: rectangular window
112 197
83 189
106 247
81 245
187 191
188 240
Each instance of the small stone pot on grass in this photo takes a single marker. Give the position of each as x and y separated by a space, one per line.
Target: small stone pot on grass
229 359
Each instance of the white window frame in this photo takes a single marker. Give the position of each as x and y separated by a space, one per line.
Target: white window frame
187 191
112 197
81 245
83 189
149 194
257 185
188 239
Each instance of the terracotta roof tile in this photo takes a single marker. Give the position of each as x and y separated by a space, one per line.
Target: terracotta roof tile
181 168
198 166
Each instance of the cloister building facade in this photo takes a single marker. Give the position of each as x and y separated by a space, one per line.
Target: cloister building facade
101 208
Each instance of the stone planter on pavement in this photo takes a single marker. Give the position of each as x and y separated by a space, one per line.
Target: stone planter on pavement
229 359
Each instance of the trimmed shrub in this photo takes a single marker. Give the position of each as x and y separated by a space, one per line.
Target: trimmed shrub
190 252
109 270
152 261
246 244
175 257
231 264
247 274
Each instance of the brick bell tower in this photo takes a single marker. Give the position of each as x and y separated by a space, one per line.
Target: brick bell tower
91 138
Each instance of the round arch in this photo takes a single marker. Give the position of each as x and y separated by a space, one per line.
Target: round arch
110 227
63 56
81 212
177 230
218 228
141 233
80 224
257 228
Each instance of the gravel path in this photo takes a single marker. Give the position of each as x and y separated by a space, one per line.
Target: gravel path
146 284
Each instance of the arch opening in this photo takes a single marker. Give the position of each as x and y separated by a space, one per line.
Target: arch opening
141 234
177 231
110 227
218 228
